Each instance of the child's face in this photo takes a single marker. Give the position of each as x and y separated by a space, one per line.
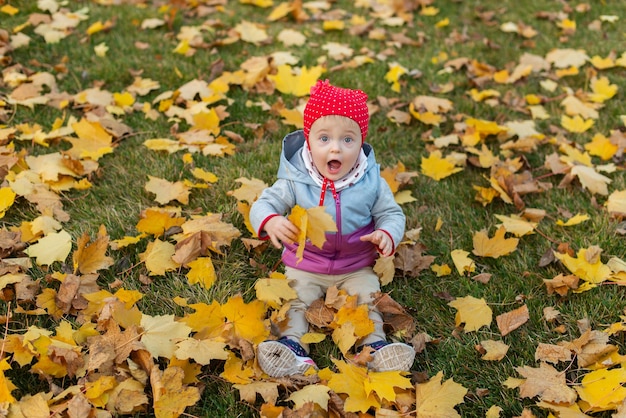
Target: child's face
335 143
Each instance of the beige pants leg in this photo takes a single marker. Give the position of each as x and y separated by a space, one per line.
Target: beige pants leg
312 286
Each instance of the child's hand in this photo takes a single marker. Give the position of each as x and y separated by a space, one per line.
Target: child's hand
381 240
280 229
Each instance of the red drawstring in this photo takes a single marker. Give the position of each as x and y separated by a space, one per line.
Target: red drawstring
327 183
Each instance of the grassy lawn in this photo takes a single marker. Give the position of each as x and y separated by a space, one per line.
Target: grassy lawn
493 108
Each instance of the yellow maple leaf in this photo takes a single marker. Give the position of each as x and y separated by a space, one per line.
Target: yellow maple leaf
244 209
297 84
46 366
251 32
485 195
55 246
97 392
495 350
393 76
163 144
236 370
160 334
595 272
365 389
317 394
6 386
602 89
118 244
313 337
442 23
616 203
158 257
436 167
274 290
7 198
250 190
576 124
602 390
292 117
434 399
473 312
47 300
574 220
517 225
22 354
493 247
479 96
156 221
313 224
602 147
171 397
207 320
329 25
202 272
91 257
207 120
462 262
246 319
390 174
385 269
93 140
358 316
267 390
441 270
344 336
201 351
124 100
602 63
562 411
166 191
427 118
10 10
485 128
591 180
204 175
280 11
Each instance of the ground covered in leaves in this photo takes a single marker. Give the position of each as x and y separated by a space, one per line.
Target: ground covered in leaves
94 349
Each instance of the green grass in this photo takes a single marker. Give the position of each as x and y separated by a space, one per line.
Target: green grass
118 195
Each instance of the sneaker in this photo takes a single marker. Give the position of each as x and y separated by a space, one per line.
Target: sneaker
391 357
283 357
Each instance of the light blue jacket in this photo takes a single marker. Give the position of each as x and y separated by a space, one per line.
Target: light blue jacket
358 210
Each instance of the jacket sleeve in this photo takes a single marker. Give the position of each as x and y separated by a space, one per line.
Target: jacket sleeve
277 199
387 214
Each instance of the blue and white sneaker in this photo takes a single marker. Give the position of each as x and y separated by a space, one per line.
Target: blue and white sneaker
283 357
391 357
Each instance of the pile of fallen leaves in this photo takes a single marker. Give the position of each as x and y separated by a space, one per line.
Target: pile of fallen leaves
105 357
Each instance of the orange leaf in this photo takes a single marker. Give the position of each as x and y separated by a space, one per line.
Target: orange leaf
91 257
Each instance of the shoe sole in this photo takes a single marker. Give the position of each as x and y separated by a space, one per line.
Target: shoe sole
277 360
393 357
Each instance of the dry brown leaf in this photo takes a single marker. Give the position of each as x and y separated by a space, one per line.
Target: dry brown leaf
512 320
551 353
547 383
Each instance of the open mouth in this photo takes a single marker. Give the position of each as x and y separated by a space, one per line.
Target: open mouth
334 166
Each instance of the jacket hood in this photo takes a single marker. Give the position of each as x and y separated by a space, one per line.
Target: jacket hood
291 165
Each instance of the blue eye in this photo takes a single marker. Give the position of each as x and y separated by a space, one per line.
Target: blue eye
324 138
348 140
